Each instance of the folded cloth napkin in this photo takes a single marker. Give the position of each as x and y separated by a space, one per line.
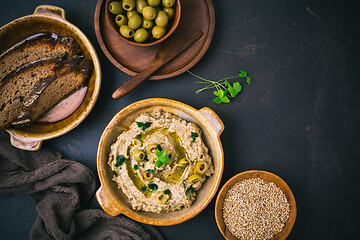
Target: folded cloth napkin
61 189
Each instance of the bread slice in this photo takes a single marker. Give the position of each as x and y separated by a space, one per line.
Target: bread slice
16 86
38 47
48 91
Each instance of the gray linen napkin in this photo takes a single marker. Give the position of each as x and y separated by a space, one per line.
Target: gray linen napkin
61 189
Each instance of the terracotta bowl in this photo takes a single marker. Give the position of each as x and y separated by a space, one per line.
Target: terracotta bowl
110 19
111 198
270 177
47 18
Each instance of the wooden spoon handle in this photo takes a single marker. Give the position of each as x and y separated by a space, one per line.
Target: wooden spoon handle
176 45
135 81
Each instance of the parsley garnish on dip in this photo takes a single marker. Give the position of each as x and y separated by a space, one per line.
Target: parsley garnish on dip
152 187
120 159
191 189
194 135
144 125
162 158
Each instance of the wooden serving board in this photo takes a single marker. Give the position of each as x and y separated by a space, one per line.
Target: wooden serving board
195 14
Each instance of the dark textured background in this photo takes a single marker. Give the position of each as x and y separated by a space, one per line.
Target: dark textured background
299 118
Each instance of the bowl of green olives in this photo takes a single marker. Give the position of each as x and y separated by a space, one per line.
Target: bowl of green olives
143 22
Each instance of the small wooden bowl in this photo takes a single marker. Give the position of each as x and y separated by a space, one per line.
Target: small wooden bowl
267 176
109 18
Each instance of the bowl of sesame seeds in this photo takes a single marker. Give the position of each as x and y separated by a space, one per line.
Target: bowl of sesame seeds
255 205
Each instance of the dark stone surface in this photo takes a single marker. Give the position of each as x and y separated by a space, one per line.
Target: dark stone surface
299 118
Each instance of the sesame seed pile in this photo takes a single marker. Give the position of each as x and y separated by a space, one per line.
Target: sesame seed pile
255 209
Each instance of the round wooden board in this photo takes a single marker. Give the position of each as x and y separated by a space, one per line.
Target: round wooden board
196 15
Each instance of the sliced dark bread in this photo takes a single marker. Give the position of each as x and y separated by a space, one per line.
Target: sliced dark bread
16 86
48 91
38 47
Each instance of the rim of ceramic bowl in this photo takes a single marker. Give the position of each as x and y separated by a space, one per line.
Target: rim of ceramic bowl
102 159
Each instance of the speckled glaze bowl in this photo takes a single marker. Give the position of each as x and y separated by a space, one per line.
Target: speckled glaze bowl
47 18
111 198
267 176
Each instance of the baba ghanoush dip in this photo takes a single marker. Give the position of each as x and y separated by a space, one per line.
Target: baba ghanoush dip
160 162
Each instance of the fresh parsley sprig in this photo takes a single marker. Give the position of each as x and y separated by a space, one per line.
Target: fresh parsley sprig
191 189
162 158
193 136
120 159
144 125
224 90
150 187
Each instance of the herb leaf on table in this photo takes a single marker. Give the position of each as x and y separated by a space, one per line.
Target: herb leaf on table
224 89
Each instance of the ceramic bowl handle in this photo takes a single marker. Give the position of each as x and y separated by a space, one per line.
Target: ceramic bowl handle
109 206
50 10
24 143
215 121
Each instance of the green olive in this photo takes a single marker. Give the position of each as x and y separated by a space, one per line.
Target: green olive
158 32
201 167
116 8
135 22
129 14
149 13
194 178
161 197
170 154
182 162
140 4
147 24
120 19
128 5
136 143
161 19
141 35
168 3
154 3
126 31
151 149
149 175
170 12
139 155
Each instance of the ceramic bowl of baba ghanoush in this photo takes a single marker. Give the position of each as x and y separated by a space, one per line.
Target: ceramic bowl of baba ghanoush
160 161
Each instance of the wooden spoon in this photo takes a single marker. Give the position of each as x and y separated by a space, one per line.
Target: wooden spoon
176 44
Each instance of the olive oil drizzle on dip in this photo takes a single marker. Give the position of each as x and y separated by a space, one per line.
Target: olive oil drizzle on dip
175 177
136 179
134 176
181 152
